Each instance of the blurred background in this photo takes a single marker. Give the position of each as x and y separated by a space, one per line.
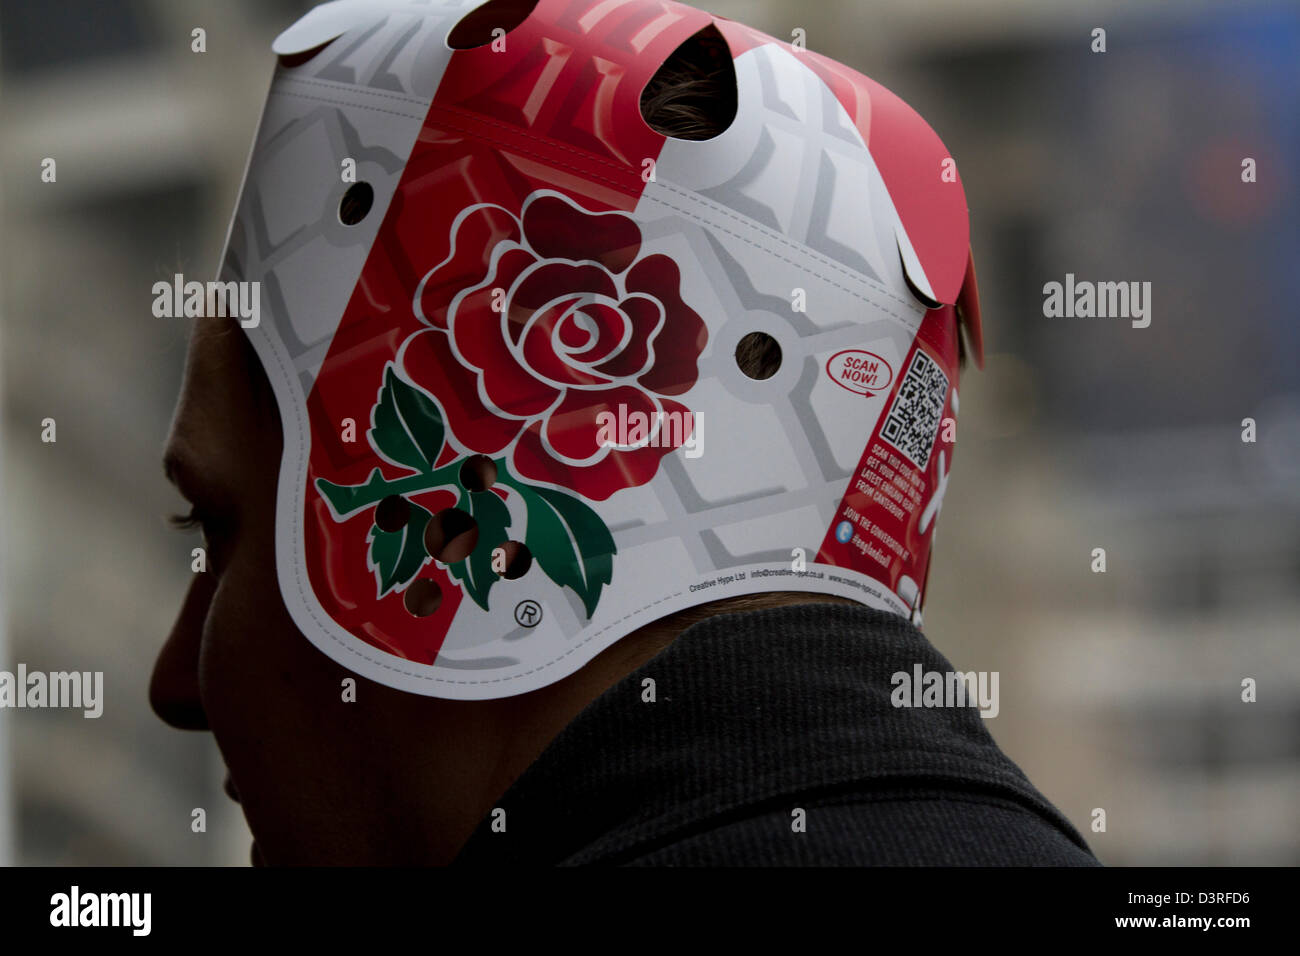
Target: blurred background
1120 690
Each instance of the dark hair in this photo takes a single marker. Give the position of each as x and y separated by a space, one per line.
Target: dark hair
693 95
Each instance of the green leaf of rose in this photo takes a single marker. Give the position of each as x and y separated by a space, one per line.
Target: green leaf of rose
346 499
493 519
397 556
408 426
569 541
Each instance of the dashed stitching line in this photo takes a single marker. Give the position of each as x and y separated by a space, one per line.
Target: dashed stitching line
353 88
714 206
614 166
336 103
515 130
801 249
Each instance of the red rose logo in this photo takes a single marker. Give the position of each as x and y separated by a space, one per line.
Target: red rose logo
542 322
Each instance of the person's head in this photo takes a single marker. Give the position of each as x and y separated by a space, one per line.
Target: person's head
390 778
339 754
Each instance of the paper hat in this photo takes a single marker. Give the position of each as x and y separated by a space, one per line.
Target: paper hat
501 315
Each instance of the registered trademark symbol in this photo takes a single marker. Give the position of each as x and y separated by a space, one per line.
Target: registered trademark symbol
528 613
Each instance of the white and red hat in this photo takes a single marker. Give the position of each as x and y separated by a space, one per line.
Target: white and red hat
515 428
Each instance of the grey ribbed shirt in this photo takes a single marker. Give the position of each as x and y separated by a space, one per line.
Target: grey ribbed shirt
759 715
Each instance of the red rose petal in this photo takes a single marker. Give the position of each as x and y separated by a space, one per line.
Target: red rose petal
428 362
613 473
540 355
517 391
480 339
550 280
644 315
610 325
572 333
572 428
478 234
556 229
479 305
679 343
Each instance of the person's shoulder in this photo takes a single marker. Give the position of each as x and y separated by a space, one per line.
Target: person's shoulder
883 827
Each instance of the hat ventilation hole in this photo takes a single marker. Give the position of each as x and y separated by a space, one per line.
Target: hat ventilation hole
392 513
493 20
356 203
422 598
693 95
478 473
518 559
291 60
451 535
758 356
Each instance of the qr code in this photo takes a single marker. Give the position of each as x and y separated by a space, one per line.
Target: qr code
914 417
